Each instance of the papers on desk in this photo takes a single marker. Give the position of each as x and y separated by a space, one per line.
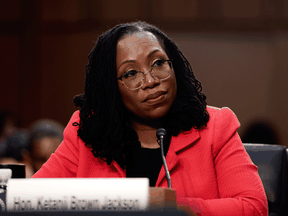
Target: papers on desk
78 194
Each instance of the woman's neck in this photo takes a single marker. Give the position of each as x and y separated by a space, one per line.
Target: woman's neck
146 132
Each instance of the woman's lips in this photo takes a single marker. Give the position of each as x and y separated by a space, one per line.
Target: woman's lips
156 97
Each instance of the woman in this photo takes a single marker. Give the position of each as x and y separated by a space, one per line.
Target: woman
137 81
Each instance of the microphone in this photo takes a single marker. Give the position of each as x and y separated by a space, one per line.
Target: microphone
161 133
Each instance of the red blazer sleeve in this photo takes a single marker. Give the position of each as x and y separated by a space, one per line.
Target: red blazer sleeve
64 162
240 188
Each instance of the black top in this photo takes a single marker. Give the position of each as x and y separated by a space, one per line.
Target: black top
146 162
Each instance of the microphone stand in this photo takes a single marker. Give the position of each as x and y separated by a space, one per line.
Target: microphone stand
161 133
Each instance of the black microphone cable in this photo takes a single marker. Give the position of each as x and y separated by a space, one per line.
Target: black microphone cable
161 133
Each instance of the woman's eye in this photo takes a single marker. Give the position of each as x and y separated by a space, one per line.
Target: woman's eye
130 73
158 63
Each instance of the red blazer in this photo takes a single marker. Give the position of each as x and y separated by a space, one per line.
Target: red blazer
209 168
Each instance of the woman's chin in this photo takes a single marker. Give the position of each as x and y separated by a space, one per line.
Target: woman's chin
156 114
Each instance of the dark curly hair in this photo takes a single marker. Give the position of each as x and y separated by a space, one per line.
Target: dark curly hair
103 117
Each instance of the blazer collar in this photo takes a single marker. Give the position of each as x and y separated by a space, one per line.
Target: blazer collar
184 139
178 143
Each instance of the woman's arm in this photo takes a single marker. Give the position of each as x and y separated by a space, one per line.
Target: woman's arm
240 188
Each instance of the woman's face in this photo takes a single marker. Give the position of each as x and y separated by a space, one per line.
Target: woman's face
139 52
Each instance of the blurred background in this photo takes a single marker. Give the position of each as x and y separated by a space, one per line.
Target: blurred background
237 48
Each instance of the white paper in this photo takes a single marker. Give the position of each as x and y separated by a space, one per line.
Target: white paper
78 194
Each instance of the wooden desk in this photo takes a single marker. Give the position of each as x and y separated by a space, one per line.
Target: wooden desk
165 198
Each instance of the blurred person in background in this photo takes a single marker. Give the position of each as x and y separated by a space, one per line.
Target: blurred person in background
261 132
45 137
14 143
7 127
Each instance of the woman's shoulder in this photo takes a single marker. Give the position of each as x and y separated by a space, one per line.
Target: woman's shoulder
218 114
73 123
222 119
216 110
75 117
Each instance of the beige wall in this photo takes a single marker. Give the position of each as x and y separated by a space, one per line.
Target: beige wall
246 72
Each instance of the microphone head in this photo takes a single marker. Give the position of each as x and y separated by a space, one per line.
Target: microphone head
161 132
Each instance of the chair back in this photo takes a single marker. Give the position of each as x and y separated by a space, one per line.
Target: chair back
271 161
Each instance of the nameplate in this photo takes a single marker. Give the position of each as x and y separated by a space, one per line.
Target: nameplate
78 194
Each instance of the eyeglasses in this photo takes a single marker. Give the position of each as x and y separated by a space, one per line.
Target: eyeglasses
161 70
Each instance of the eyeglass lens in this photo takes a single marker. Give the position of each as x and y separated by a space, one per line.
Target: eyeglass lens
159 72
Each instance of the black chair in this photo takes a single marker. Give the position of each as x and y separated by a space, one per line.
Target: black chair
271 161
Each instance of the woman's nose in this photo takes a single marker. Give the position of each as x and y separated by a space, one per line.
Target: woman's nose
149 80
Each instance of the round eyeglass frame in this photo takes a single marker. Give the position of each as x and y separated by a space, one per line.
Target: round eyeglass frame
144 77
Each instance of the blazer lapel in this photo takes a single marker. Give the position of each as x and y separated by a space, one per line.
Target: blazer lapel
182 141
